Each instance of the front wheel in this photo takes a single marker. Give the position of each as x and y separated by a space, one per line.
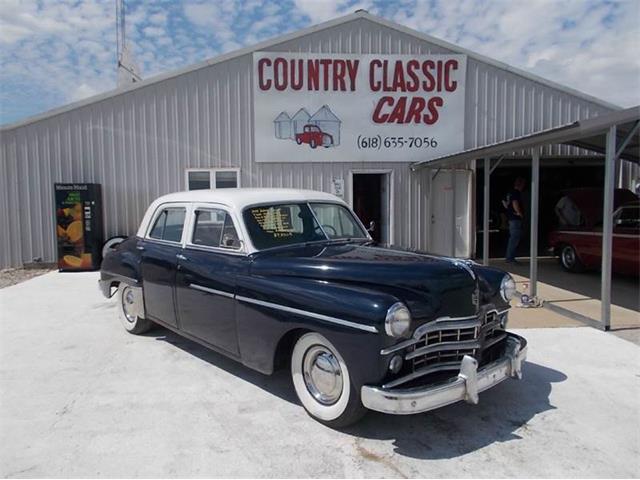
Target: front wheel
569 259
322 382
129 308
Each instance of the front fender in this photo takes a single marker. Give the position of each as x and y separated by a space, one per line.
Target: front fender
270 307
489 280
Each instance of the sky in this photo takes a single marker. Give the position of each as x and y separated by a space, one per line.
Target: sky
53 52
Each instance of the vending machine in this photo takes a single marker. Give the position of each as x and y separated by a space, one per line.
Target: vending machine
79 228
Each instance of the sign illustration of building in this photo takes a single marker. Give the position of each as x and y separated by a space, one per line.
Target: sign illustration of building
299 120
283 127
327 121
320 129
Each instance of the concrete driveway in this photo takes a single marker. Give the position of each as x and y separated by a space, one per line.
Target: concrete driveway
82 398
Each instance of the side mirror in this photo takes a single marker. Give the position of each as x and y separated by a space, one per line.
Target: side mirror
372 226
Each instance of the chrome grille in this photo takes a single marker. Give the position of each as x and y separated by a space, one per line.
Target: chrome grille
441 345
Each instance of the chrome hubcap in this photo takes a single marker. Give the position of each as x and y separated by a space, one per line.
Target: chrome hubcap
568 256
322 375
128 305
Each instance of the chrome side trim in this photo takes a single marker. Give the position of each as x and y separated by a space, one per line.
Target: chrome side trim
443 347
211 290
317 316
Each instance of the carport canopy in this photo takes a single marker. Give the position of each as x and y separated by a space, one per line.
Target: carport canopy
614 135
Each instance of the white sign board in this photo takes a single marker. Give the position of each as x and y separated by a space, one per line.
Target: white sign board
355 108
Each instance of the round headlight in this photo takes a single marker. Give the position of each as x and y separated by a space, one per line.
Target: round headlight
398 320
507 288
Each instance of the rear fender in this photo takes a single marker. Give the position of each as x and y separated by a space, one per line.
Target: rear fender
122 265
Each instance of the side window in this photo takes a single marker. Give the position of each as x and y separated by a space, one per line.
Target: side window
169 225
229 235
158 227
214 228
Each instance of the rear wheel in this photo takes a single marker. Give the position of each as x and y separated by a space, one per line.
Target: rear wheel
322 382
569 259
129 307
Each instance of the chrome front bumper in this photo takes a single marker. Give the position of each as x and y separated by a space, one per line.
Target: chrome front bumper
466 386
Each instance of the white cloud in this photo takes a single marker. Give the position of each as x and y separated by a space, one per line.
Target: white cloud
83 91
591 46
47 48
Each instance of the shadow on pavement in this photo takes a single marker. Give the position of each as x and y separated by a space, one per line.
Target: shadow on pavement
461 428
278 384
448 432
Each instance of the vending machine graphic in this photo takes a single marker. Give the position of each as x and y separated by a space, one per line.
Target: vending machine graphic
79 228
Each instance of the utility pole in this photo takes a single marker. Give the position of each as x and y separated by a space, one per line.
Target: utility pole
127 69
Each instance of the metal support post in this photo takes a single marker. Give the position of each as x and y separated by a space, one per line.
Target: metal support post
485 212
535 188
453 212
607 227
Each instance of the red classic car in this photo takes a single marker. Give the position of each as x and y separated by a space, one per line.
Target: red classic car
579 245
314 136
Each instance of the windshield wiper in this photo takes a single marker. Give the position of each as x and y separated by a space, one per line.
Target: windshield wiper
348 240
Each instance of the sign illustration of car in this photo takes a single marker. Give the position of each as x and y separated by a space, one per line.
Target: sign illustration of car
314 136
290 278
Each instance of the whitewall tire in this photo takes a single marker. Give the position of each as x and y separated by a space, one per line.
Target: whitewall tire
129 308
322 382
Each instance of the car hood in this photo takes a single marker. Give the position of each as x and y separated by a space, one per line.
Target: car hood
427 283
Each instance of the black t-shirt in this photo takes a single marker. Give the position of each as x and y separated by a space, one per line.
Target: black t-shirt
513 195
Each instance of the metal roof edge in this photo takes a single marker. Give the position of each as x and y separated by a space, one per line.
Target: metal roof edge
579 129
360 14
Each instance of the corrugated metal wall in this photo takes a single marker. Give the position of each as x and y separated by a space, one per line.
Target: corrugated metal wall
138 144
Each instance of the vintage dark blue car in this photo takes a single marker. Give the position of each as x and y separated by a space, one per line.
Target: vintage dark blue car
274 277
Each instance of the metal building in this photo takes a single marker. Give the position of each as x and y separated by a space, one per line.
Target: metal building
199 126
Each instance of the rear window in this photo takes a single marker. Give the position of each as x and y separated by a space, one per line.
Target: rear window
169 225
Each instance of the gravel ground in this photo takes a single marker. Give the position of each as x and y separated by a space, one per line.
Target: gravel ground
13 276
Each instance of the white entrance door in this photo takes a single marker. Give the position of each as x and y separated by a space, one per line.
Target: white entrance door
451 233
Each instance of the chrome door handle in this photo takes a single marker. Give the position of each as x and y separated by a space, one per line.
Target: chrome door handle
140 247
179 256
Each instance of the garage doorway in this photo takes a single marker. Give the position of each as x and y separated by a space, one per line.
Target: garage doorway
371 200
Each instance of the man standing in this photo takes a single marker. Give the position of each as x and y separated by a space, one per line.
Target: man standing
515 214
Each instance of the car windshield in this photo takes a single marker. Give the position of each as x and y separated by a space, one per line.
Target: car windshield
279 225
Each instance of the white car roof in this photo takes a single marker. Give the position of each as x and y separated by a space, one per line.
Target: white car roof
237 199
